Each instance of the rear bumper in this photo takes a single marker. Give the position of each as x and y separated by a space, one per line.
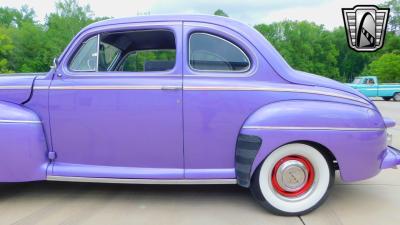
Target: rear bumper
389 122
390 158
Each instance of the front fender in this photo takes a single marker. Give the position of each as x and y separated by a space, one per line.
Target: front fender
22 145
355 135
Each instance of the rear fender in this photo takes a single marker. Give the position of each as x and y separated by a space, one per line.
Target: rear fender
22 145
354 135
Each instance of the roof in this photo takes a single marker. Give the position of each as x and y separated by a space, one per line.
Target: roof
165 18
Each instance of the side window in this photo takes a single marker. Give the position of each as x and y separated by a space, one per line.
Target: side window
130 51
365 81
108 56
150 60
86 57
211 53
371 81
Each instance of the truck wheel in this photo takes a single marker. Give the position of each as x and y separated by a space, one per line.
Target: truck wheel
387 98
293 180
396 97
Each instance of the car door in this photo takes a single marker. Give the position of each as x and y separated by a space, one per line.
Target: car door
217 63
115 109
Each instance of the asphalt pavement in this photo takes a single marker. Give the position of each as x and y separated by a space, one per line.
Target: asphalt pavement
375 201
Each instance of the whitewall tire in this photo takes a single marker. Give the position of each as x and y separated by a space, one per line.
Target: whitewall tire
293 180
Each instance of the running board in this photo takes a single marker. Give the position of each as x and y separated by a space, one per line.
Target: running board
141 181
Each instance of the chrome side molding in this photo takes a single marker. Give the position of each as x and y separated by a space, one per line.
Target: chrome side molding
20 121
141 181
15 87
313 128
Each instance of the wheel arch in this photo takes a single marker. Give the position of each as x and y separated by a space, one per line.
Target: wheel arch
323 149
246 164
281 123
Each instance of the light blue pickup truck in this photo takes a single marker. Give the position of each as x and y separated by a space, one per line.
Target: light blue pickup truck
369 86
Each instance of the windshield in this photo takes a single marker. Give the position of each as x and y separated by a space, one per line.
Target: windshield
357 81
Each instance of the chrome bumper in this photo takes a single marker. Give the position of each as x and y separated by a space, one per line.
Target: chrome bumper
390 158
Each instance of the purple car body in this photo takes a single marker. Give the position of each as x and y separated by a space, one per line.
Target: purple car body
181 124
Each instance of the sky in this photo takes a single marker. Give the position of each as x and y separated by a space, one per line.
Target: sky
326 12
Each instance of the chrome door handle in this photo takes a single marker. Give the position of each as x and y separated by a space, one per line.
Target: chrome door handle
171 88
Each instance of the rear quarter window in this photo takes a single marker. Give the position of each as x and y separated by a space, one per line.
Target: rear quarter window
209 52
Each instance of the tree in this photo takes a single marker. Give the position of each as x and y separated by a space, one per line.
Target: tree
394 19
305 46
66 22
387 68
10 17
31 49
35 44
220 12
349 62
6 47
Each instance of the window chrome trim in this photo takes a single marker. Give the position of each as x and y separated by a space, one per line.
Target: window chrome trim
218 71
98 53
312 128
66 67
77 51
112 64
141 181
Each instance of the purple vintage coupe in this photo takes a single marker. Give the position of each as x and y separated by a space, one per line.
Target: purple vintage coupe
188 100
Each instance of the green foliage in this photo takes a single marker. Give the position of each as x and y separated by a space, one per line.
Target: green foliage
6 47
220 12
35 44
66 22
386 68
394 21
305 46
10 17
135 62
350 63
309 47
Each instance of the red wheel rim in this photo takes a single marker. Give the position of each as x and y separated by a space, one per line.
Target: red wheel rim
307 184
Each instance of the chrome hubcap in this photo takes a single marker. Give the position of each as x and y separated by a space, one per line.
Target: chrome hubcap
397 97
292 175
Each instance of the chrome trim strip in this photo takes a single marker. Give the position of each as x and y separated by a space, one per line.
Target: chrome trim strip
20 121
40 87
140 181
122 87
274 89
375 89
15 87
22 74
313 128
98 53
207 88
